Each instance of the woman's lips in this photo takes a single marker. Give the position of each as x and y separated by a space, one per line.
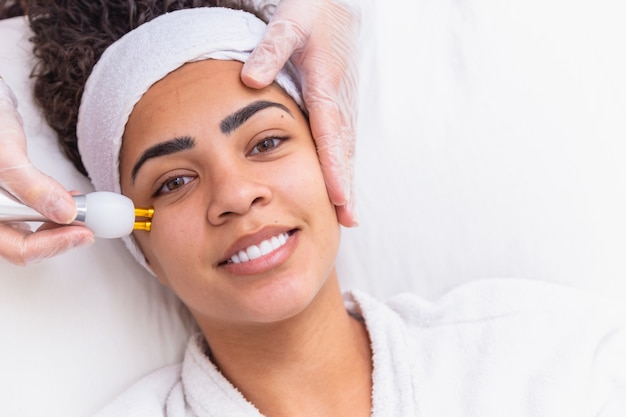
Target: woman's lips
256 245
264 256
266 247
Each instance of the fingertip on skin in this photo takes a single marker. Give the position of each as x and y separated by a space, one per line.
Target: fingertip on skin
347 215
251 80
338 200
264 63
252 77
338 186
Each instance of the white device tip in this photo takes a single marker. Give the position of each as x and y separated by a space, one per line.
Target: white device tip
109 215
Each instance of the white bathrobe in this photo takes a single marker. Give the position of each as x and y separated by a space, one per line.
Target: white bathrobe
490 348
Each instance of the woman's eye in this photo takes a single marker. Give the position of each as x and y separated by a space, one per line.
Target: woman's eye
174 183
266 144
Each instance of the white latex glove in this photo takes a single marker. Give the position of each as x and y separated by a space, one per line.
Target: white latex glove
321 38
18 243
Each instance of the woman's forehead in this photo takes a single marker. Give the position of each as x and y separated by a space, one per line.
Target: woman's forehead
213 83
197 99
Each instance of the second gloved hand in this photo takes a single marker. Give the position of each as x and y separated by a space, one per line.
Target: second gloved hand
321 37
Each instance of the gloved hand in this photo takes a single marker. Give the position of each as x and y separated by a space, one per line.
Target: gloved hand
321 38
18 243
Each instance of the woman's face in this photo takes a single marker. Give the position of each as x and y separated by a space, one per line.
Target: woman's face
243 229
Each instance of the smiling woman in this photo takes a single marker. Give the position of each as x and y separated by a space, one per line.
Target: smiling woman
247 174
245 234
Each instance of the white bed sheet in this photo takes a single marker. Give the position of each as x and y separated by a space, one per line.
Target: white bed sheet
491 143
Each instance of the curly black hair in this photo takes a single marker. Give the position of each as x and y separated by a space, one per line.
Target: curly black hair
71 35
10 8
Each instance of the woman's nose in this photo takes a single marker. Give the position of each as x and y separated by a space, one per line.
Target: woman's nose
235 193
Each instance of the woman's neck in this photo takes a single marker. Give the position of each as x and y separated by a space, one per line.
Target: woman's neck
317 363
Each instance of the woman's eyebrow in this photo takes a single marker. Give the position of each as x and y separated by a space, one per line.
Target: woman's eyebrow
233 121
161 149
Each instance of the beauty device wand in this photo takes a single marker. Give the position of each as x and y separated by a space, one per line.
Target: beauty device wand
109 215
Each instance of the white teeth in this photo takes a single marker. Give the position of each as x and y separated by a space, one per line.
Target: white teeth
243 256
266 247
262 249
253 252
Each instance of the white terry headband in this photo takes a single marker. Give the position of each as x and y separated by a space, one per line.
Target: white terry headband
145 55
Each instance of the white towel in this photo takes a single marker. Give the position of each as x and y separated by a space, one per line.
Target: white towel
142 57
489 348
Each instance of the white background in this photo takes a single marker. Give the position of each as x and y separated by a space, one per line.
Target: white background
491 144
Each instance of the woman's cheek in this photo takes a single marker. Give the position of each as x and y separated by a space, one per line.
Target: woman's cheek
159 244
175 229
314 181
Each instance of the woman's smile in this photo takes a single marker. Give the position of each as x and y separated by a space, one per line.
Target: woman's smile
266 247
267 254
255 251
245 229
